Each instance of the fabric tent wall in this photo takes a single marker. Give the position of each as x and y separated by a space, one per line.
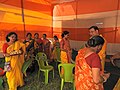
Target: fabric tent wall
75 16
37 18
78 16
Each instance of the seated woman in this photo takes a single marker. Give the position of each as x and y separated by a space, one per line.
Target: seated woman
88 68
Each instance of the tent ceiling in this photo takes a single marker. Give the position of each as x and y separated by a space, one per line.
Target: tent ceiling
45 2
58 1
41 5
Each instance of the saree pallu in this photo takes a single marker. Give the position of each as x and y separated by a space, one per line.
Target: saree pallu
15 76
83 74
64 57
102 54
117 86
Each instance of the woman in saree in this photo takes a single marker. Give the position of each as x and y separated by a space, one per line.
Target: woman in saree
38 43
65 48
29 42
94 30
56 49
46 46
88 68
14 58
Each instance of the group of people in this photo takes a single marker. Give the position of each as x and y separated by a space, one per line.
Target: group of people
90 71
89 63
36 44
17 52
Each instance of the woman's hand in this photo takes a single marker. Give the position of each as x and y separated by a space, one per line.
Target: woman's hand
112 61
6 55
106 76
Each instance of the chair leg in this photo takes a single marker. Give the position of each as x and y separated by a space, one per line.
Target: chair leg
46 77
62 83
73 85
38 74
56 64
53 73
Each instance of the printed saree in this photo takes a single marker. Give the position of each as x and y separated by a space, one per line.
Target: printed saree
15 76
102 54
83 74
117 86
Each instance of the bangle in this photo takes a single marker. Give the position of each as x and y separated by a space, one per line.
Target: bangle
101 79
105 79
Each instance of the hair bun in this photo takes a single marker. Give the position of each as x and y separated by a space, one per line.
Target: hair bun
91 42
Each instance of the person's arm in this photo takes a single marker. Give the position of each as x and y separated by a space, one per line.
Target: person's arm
97 77
116 56
96 67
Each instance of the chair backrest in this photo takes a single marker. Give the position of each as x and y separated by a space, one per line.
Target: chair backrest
41 59
68 71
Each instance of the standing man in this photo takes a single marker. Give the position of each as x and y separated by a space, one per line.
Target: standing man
94 30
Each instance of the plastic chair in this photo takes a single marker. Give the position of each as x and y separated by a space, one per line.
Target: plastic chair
68 75
43 65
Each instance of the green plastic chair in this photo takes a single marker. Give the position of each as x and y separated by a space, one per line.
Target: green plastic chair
68 75
43 65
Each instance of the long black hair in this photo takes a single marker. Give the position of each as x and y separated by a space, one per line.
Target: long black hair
9 34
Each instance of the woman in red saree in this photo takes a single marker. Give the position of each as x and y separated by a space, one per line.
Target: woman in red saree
88 66
14 58
46 46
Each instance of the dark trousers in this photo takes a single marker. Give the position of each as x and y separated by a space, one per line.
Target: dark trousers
114 76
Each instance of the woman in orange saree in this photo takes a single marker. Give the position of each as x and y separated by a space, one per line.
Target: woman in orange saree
65 48
88 66
14 54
